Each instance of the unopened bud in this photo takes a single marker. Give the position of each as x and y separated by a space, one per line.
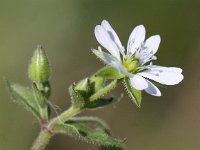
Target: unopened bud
39 69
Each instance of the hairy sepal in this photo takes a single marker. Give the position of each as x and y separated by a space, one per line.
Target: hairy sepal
134 94
109 72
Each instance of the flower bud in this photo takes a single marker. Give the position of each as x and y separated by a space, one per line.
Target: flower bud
83 87
39 69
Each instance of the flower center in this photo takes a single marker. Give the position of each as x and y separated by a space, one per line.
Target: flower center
131 64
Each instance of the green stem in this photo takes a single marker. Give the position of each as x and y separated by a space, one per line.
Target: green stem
105 90
72 111
44 114
47 130
42 140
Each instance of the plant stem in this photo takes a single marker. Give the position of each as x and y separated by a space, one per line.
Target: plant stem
47 129
72 111
42 140
105 90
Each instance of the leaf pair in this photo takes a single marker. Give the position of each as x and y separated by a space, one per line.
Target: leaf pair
33 100
97 134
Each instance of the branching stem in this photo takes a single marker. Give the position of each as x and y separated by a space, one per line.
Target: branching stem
47 129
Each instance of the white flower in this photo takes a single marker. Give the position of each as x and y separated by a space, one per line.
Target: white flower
133 63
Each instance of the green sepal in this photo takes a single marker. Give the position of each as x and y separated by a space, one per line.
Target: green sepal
81 131
109 72
24 96
76 97
99 55
135 95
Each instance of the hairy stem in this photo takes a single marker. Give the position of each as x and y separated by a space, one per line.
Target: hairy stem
47 129
105 90
42 140
72 111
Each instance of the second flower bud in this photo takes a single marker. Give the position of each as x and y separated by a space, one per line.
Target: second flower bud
39 69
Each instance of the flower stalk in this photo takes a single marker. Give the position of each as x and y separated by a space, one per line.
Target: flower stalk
105 90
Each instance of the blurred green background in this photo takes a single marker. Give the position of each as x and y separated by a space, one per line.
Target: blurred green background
66 30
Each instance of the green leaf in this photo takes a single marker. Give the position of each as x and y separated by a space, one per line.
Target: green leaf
111 148
109 72
39 97
42 102
91 120
135 95
100 103
99 123
90 135
24 95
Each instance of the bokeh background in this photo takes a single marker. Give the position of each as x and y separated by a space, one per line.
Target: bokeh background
66 30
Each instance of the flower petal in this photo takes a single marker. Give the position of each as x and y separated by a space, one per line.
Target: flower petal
112 33
107 37
163 75
161 68
152 89
104 39
151 45
136 38
138 82
111 61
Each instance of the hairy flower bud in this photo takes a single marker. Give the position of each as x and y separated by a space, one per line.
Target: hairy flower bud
39 69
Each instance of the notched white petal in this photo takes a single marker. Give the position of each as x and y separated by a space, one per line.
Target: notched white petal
152 44
136 38
112 33
138 82
104 39
108 38
152 89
